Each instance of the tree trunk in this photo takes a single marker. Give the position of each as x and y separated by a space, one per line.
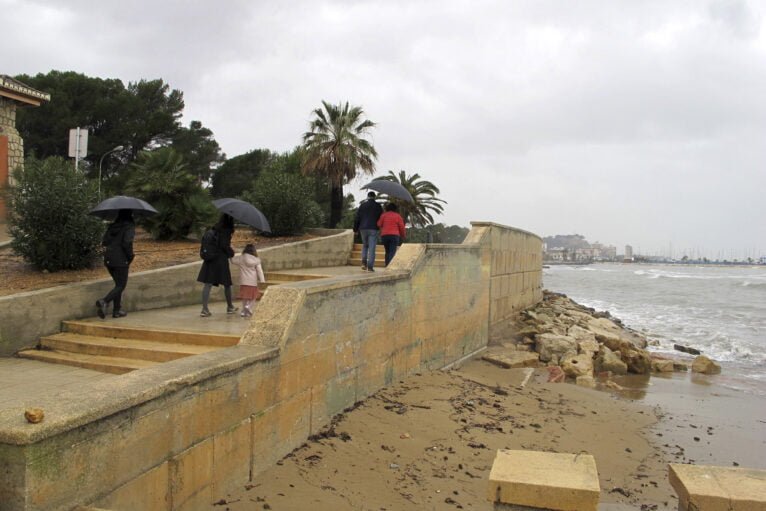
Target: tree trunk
336 205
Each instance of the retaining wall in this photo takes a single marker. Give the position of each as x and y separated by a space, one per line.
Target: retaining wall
179 435
25 317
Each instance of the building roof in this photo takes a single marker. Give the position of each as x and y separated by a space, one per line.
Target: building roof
21 92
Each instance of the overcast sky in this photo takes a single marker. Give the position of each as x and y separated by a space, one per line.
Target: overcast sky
633 122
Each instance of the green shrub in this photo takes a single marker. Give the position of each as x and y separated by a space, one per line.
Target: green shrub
287 201
162 179
48 218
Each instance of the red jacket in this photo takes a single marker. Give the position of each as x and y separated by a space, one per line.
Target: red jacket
391 224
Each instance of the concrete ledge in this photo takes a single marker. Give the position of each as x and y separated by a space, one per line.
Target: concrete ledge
505 227
705 488
68 410
544 480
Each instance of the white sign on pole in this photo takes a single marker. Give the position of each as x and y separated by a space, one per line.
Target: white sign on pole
78 143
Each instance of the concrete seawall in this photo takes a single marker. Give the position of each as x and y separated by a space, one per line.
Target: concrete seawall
180 435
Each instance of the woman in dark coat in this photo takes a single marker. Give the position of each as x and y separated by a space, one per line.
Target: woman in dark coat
118 240
215 272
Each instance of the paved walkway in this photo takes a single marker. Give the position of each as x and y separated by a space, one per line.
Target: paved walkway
24 382
182 319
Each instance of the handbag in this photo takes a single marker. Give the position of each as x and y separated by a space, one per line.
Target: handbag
258 294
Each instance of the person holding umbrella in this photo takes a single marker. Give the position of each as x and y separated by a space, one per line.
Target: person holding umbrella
392 230
215 270
366 224
118 240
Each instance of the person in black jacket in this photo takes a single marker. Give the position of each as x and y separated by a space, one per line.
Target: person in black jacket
366 224
118 240
216 271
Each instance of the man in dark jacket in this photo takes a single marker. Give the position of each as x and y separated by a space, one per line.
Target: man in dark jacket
366 224
118 254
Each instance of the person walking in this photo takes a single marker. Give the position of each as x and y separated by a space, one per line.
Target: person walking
392 230
118 254
366 224
215 268
250 273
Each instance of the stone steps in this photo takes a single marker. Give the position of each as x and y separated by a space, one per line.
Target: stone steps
118 349
113 365
90 328
153 351
113 348
355 259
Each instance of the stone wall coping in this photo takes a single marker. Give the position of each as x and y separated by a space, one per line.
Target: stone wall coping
709 487
68 410
508 227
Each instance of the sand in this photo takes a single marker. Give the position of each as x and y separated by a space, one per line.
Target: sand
428 443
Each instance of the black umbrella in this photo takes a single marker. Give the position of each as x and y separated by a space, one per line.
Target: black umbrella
244 212
108 208
390 188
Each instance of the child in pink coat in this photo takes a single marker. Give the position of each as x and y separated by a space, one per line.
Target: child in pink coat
250 273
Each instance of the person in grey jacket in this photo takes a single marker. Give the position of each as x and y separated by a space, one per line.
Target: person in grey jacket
366 224
118 254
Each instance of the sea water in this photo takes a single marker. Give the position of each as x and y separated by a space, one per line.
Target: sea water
720 310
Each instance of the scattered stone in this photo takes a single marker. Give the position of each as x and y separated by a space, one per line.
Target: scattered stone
556 374
608 361
662 365
614 386
578 365
34 415
589 347
553 348
687 349
580 334
680 367
638 361
586 381
527 331
704 365
513 359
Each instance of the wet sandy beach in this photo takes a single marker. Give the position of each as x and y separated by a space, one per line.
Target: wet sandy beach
429 442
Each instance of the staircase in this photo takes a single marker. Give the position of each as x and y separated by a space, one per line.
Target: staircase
118 350
356 256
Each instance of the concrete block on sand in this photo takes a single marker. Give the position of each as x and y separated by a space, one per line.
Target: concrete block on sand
544 480
707 488
513 359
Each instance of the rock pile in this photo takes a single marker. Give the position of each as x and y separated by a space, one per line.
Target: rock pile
582 343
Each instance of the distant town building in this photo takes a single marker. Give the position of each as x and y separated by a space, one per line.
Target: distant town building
589 253
628 253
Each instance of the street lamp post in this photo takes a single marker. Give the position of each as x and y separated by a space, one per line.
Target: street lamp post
100 163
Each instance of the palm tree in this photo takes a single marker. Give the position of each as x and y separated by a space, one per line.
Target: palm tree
423 192
162 178
336 148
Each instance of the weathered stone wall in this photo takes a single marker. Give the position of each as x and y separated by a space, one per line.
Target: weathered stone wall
15 142
179 435
25 317
343 341
516 271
